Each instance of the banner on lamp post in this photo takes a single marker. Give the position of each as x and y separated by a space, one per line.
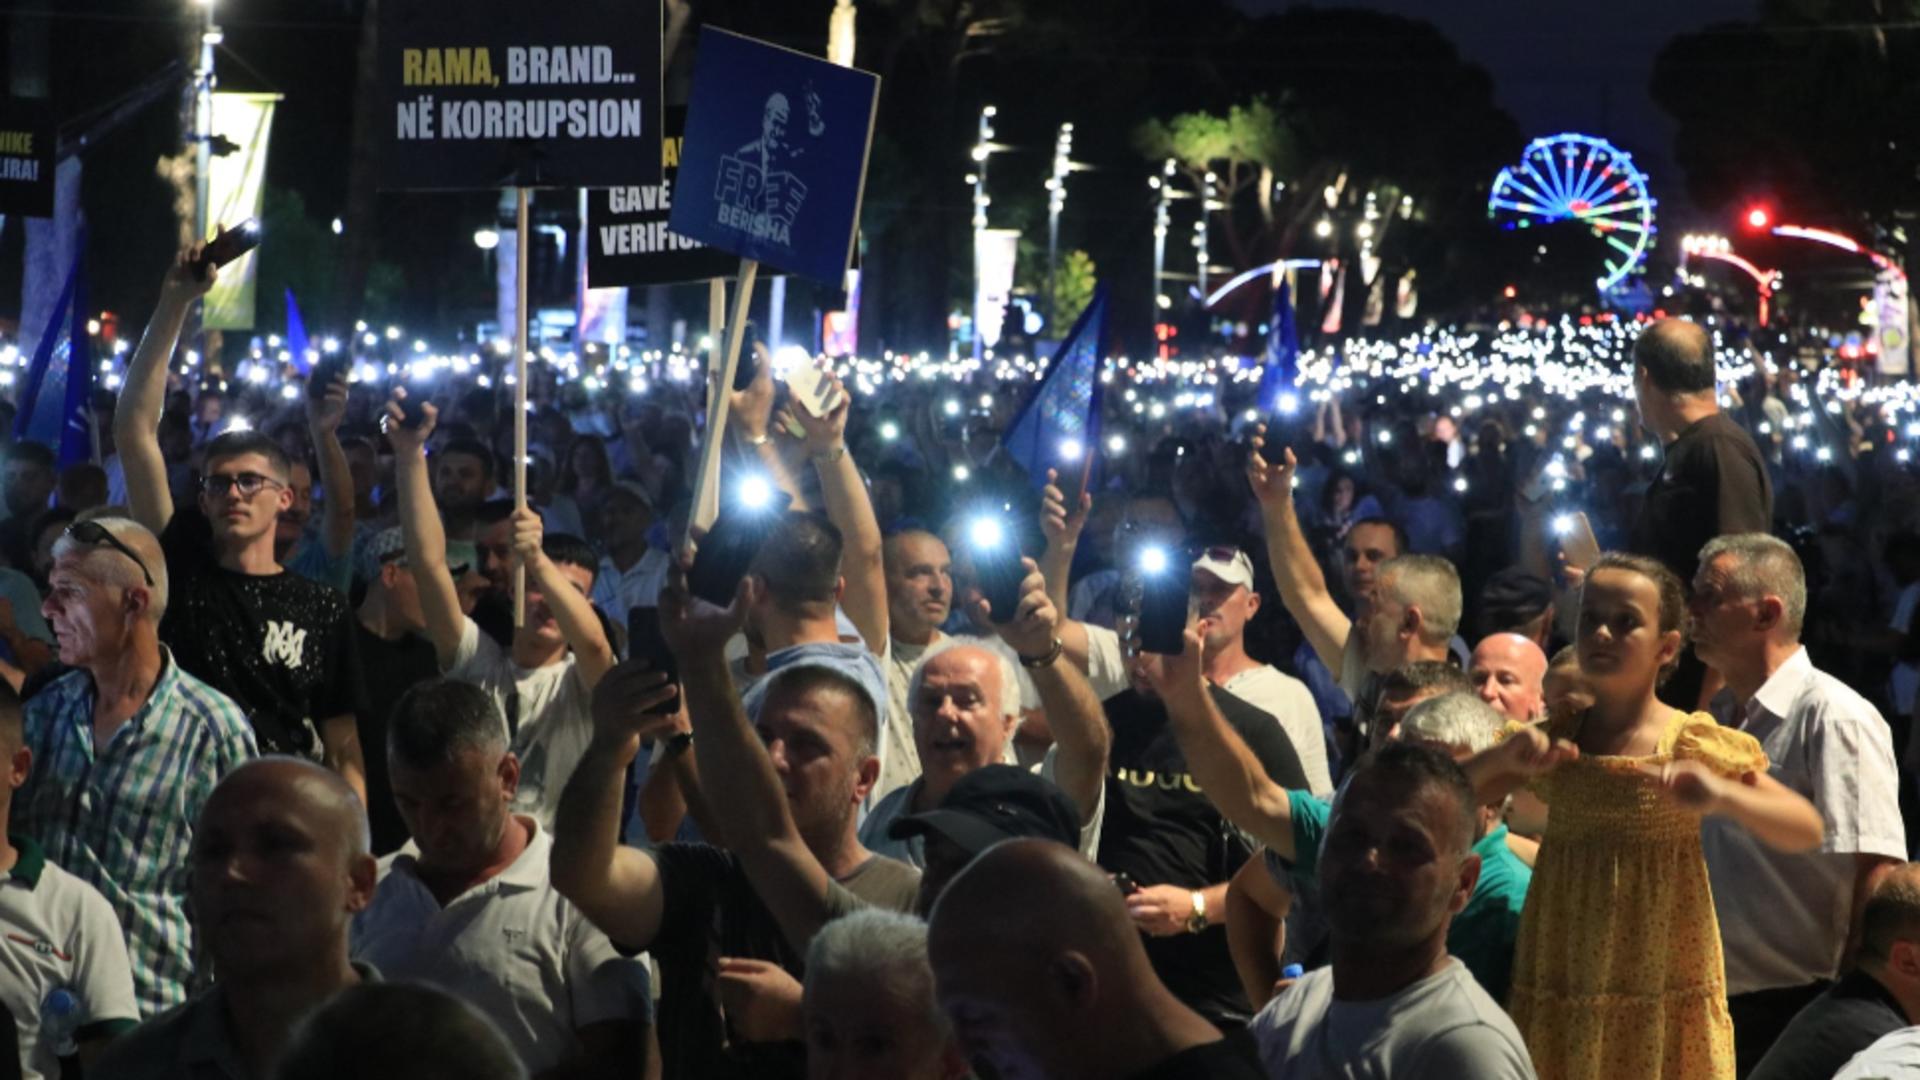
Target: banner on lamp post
236 184
994 251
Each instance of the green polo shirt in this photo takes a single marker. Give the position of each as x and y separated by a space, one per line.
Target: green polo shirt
1482 935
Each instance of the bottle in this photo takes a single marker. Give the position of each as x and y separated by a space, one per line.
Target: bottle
59 1021
1292 971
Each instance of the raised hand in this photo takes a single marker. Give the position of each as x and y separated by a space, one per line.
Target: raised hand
326 411
186 279
1173 676
692 626
621 700
1060 525
823 433
529 533
407 440
1035 622
751 409
1272 481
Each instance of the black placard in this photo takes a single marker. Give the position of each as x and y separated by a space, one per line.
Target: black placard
500 93
628 242
26 157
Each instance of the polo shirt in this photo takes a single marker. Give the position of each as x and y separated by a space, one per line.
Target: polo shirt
1846 1018
1894 1057
617 592
1482 935
511 946
548 711
57 932
192 1041
1783 918
121 817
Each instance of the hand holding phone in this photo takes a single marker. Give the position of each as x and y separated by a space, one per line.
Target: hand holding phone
996 566
815 392
1577 541
231 243
646 642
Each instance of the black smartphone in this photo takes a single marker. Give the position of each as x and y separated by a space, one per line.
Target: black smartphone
646 642
996 566
749 364
1163 609
726 553
231 243
324 374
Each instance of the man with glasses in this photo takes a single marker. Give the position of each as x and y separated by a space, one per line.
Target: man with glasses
277 643
126 748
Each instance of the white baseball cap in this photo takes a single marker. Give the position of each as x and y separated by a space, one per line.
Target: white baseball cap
1229 564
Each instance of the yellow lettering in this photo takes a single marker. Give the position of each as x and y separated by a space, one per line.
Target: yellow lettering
410 67
459 66
435 74
16 142
482 68
670 153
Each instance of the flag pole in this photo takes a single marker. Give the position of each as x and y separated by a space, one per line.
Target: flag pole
520 393
707 498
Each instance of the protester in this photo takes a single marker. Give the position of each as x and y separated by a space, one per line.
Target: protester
279 869
869 1007
1399 865
126 747
632 571
1789 923
1038 965
395 656
1508 671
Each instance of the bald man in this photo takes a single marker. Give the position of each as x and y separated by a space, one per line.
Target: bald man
279 868
1041 970
1508 671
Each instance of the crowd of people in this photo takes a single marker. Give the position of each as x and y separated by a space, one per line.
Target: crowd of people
1529 718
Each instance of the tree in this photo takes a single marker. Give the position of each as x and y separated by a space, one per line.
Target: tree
1242 151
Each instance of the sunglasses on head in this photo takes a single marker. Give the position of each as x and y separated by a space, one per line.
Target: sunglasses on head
94 534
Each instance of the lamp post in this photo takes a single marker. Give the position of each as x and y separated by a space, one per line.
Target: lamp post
1056 202
1209 202
203 80
983 149
1162 186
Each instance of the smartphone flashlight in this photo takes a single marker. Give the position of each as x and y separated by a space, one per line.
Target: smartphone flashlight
754 493
1563 525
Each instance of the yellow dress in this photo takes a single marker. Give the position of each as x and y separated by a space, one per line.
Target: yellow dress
1617 971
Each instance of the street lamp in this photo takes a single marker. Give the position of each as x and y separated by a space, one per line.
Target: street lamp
203 82
983 149
1209 202
1162 219
1056 202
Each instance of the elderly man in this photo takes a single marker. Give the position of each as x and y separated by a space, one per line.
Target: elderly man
280 867
1878 997
127 748
1507 671
1038 965
1789 923
1406 1008
468 907
869 1005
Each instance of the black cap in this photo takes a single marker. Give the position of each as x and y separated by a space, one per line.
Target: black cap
1514 592
995 803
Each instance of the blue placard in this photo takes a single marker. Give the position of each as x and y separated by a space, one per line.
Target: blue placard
775 157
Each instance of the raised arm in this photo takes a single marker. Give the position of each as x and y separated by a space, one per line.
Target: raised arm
593 654
1078 723
851 511
616 887
1062 529
1303 588
425 537
136 420
740 781
324 414
1222 763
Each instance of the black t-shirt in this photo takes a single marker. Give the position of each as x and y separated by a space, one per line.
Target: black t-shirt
1233 1058
280 645
712 911
390 669
1161 830
1714 483
1846 1018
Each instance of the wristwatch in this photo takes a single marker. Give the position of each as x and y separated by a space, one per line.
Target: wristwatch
1046 659
679 742
1197 922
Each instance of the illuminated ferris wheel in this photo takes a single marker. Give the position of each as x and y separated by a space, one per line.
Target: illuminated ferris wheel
1571 177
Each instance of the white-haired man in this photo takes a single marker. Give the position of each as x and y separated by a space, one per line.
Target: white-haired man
1789 923
869 1004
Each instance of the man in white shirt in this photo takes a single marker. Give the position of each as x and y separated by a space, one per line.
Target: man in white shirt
1393 1003
1223 594
543 684
1789 923
632 572
467 904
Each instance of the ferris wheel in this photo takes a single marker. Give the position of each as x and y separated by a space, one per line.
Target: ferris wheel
1582 178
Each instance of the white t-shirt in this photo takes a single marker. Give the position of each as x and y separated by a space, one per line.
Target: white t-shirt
549 711
511 947
1783 918
59 932
1895 1057
1288 700
1445 1025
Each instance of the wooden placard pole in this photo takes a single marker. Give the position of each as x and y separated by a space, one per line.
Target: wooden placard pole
706 498
520 393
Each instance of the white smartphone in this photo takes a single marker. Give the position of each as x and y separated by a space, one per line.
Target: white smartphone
1577 541
813 390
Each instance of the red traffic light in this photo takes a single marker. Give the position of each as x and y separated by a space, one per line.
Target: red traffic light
1758 218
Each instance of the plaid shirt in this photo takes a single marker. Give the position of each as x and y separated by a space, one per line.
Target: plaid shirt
121 819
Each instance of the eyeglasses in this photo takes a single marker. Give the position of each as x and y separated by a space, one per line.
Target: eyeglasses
248 483
94 534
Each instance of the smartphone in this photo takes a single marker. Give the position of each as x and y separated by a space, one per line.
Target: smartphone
231 243
996 566
1577 541
324 374
815 392
1163 610
749 365
726 553
646 642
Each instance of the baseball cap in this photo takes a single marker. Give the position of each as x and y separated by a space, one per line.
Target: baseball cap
995 803
1515 592
1230 565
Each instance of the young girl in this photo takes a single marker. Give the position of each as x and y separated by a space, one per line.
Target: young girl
1617 971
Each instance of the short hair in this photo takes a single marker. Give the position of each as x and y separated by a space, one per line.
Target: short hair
1764 565
877 948
1673 595
1677 355
473 448
1424 675
1458 720
1009 676
801 679
82 483
1399 534
570 550
398 1031
436 721
32 453
233 444
101 563
800 561
1568 654
13 731
493 511
1431 584
1415 766
1892 914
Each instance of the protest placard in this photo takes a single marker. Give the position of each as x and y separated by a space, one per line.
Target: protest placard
26 157
628 239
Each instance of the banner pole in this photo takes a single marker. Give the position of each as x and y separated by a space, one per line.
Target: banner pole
706 500
520 393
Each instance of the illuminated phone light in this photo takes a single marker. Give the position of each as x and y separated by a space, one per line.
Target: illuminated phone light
889 431
1824 454
754 492
986 533
1116 444
1071 450
1153 560
1563 525
1647 453
951 408
961 473
1460 484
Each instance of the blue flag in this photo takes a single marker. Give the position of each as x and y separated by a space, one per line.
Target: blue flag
52 408
1058 426
296 334
1282 370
